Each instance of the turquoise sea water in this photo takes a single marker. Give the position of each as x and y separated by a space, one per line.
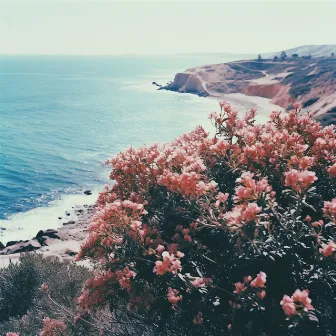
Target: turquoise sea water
62 116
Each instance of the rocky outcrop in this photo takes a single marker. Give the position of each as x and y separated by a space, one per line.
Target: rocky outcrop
27 246
186 82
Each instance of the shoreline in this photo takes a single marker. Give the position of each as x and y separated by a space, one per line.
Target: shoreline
62 243
74 230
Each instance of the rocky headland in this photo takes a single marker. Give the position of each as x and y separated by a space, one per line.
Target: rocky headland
283 81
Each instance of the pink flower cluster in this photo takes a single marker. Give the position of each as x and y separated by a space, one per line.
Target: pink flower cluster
124 277
97 289
298 303
44 288
243 214
52 327
250 189
169 264
329 210
173 296
299 181
328 250
257 283
332 170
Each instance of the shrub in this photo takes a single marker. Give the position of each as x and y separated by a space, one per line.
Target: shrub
26 310
18 289
310 102
298 89
227 234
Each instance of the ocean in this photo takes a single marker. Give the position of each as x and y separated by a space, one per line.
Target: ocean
61 117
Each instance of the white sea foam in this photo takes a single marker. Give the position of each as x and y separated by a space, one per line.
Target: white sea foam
23 226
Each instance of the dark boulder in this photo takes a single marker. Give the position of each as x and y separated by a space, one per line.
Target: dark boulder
69 223
28 246
47 233
88 192
13 242
156 84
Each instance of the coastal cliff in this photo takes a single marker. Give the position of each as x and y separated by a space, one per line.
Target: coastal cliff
188 82
310 80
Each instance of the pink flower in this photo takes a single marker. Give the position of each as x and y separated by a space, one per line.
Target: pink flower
200 282
297 105
288 305
52 327
222 104
259 281
44 288
329 209
299 180
173 296
169 264
308 219
251 212
160 249
261 295
301 297
77 318
221 198
12 334
240 287
220 147
298 303
198 318
247 279
187 238
317 223
124 276
332 170
213 115
328 250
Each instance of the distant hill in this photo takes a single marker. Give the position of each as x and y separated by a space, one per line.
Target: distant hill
306 50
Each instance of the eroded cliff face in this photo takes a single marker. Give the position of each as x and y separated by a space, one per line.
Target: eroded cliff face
278 93
312 81
188 82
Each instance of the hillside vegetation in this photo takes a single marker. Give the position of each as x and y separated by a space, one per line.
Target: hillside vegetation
225 234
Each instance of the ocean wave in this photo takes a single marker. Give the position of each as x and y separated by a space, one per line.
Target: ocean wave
24 226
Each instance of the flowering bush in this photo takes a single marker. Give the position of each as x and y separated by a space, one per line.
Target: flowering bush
209 235
52 327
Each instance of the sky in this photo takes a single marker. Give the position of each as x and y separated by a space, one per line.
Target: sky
91 27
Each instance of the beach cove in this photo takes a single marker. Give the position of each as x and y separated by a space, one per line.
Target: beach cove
65 209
